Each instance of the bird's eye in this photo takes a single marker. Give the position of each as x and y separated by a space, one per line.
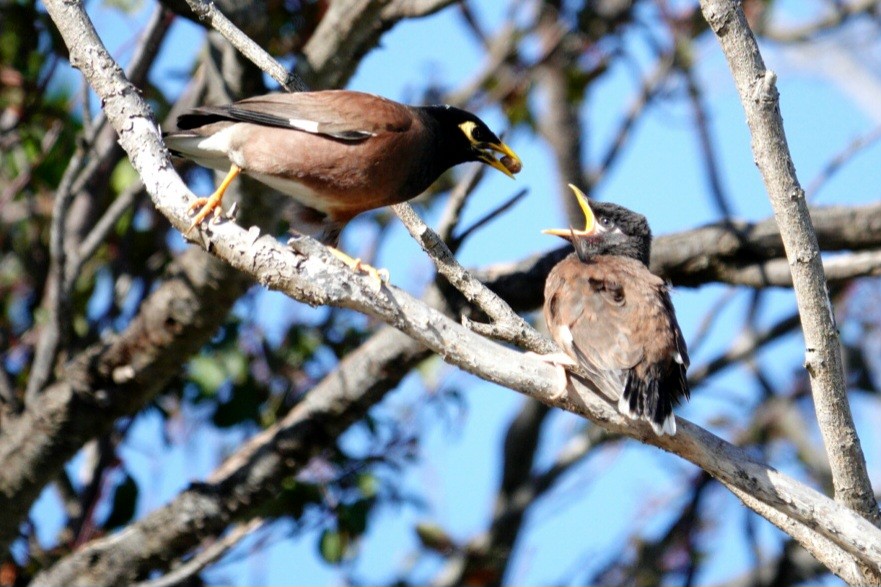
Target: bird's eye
474 133
605 221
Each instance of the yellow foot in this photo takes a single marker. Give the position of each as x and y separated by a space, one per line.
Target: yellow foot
205 206
212 203
379 276
558 361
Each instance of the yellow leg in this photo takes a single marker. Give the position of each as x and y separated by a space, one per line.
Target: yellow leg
380 275
212 202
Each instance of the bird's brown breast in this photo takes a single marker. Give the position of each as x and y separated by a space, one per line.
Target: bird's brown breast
615 311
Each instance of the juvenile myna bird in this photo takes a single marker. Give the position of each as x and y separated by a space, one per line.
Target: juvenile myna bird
614 317
337 153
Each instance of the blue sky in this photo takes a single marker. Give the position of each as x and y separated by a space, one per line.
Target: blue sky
659 175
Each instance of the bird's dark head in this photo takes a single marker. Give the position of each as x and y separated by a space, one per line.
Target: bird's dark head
464 137
609 229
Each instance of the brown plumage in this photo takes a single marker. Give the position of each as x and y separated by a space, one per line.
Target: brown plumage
615 318
337 153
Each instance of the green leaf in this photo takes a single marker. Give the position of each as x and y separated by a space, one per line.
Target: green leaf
367 484
332 546
123 175
434 538
207 373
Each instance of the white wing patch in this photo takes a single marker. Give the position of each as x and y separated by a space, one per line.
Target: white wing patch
565 336
304 125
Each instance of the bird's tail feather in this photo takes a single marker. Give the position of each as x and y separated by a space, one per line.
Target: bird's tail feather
652 398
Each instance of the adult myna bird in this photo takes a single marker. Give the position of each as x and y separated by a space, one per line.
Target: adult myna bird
337 153
614 317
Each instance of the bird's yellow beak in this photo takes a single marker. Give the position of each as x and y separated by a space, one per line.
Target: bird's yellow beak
589 219
509 164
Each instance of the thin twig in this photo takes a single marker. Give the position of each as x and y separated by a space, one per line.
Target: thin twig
99 232
841 159
57 300
707 146
696 340
488 217
311 274
520 331
843 12
452 214
290 81
7 392
650 88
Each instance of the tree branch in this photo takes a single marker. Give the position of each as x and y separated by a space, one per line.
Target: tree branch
760 99
209 12
314 276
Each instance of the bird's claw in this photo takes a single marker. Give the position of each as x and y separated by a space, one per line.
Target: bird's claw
378 276
206 206
558 361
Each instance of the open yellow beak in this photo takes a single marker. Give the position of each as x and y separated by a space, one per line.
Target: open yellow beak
589 219
509 164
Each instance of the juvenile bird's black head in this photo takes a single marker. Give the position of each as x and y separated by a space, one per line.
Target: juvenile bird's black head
609 229
462 137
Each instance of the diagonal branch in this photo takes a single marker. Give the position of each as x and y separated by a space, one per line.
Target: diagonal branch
519 331
758 94
311 274
207 11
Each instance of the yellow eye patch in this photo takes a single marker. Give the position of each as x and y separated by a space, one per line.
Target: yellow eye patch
468 128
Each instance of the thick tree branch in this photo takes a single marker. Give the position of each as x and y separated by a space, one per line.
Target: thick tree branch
740 253
760 99
312 275
112 379
254 474
348 30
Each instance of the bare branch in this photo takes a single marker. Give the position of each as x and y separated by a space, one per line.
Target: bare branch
401 9
240 487
842 11
99 232
347 31
707 145
842 158
520 332
57 300
113 378
211 553
452 213
209 12
312 275
745 346
651 85
760 99
489 217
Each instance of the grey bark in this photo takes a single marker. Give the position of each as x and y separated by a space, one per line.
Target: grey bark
760 99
